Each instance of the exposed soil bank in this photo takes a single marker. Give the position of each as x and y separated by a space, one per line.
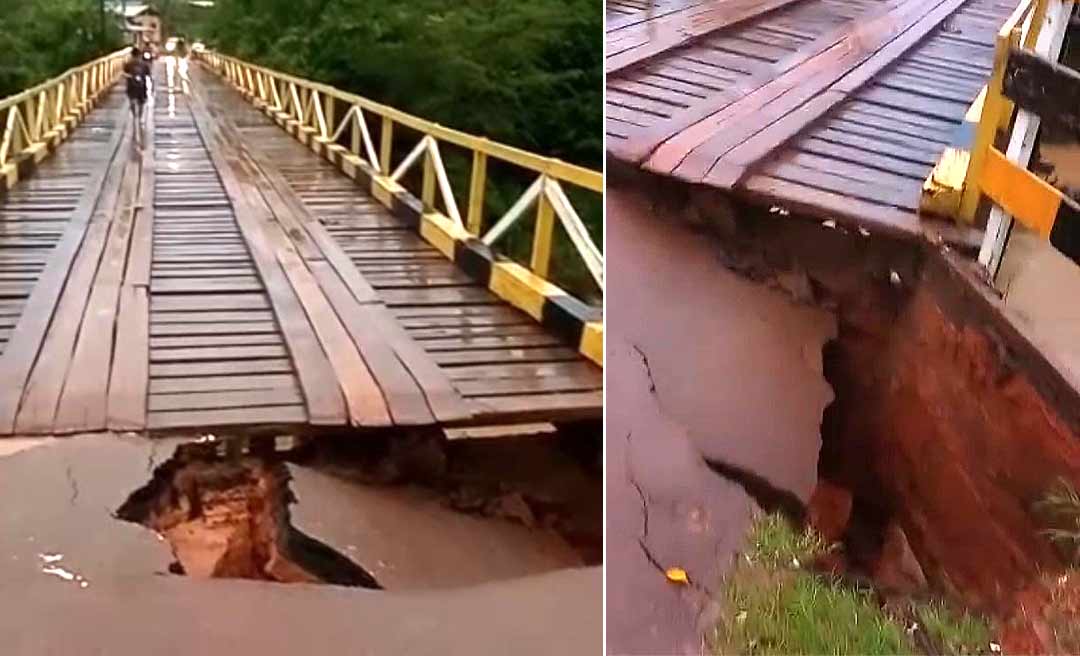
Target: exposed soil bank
410 509
948 425
61 496
228 517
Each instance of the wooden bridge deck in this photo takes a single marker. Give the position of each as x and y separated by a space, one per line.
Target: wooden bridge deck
834 108
227 276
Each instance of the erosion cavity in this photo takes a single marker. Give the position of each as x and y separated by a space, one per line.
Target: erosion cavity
226 515
949 424
401 510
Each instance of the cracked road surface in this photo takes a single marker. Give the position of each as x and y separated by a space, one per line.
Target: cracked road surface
74 580
701 365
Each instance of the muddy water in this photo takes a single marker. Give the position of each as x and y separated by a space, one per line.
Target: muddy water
700 364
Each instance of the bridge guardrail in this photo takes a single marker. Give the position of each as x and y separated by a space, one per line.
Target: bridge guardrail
973 166
35 121
309 110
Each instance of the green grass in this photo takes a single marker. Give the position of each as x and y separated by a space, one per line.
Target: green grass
954 633
774 543
1060 507
776 606
801 614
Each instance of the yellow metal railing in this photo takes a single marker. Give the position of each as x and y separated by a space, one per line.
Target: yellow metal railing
317 108
952 189
32 118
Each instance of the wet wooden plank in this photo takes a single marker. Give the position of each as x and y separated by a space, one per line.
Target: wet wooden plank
222 383
220 368
537 407
747 130
633 44
22 350
364 398
222 399
85 401
323 397
267 416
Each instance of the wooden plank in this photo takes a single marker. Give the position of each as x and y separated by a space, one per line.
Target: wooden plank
83 406
364 398
642 41
236 339
318 380
220 368
401 368
405 398
541 407
200 302
42 395
443 400
222 383
528 385
266 416
22 350
225 399
158 329
782 108
503 355
219 353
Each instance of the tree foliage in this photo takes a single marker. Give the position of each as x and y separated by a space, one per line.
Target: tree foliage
526 72
40 39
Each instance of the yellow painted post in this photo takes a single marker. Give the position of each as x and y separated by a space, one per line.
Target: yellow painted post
355 131
542 237
474 223
386 147
427 196
329 114
994 112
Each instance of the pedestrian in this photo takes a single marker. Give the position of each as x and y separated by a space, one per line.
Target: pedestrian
137 73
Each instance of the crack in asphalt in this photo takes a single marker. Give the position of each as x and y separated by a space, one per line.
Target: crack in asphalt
648 369
768 496
644 511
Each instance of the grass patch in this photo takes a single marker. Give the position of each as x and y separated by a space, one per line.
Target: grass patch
775 606
775 544
1060 507
951 632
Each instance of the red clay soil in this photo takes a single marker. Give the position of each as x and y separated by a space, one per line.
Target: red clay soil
1045 618
944 433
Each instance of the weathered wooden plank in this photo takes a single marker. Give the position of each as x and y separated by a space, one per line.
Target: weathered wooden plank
541 407
322 395
634 44
266 415
221 368
221 399
84 403
744 132
22 350
38 408
364 398
222 383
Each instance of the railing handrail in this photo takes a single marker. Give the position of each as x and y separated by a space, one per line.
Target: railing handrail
313 107
48 84
551 166
34 120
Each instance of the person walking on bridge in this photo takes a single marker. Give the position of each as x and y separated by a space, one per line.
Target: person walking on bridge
137 73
